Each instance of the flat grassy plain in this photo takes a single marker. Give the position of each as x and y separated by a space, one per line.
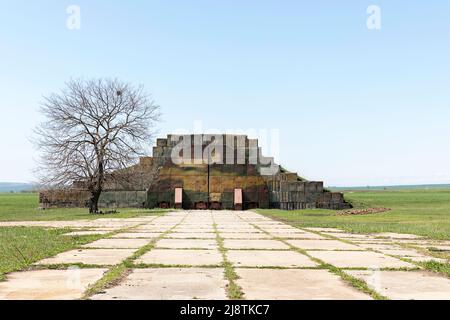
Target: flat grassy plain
24 207
421 212
417 211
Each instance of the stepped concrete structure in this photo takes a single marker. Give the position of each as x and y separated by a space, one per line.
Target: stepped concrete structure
219 171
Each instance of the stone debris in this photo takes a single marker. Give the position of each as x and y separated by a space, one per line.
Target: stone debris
362 211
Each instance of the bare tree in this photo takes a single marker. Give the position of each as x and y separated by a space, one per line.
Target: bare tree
92 129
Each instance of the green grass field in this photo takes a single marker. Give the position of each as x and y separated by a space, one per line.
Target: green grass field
420 212
22 246
24 207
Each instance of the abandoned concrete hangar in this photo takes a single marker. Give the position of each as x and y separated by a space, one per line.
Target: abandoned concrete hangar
201 172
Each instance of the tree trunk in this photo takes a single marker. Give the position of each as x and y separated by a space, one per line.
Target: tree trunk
97 188
93 201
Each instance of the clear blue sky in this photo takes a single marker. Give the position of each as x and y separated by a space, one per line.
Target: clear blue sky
353 106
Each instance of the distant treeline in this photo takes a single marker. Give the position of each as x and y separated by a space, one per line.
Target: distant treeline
17 187
401 187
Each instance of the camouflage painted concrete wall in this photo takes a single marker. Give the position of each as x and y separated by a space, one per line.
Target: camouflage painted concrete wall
237 163
223 180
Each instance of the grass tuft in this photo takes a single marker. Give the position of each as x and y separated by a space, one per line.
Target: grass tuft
438 267
112 277
234 291
355 282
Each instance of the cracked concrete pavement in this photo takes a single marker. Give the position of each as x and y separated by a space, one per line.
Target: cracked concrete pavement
184 255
